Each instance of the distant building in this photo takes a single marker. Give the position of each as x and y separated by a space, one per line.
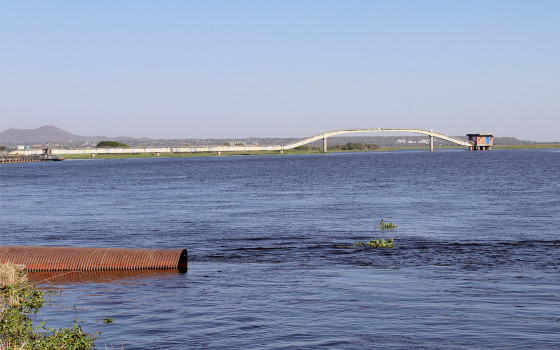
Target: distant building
481 142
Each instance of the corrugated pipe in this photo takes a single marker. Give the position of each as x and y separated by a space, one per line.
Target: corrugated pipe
83 259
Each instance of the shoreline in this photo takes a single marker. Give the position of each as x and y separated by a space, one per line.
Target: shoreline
288 152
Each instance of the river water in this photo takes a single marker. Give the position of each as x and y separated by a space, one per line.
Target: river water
271 256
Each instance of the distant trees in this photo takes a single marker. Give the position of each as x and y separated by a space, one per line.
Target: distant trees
351 146
307 148
111 144
354 146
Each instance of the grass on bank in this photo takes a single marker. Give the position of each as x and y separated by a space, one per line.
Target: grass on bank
213 154
19 300
172 154
291 151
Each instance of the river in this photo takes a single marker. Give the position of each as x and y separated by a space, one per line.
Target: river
271 256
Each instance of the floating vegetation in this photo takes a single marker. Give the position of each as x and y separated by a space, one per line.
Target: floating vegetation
377 243
380 243
386 225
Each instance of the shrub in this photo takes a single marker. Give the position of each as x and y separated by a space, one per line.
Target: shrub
355 146
18 299
111 144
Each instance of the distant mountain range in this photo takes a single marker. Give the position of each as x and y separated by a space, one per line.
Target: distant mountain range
50 133
44 134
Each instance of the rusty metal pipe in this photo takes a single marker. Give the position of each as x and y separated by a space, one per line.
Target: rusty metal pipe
80 259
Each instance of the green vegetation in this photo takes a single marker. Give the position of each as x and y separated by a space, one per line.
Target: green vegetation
354 146
111 144
385 225
18 300
108 320
376 243
305 149
380 243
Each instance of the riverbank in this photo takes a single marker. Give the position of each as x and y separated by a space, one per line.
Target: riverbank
533 146
180 155
287 152
19 300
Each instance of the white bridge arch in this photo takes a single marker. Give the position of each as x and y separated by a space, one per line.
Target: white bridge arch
326 134
244 148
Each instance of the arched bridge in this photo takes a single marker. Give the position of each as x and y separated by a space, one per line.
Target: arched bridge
248 148
326 134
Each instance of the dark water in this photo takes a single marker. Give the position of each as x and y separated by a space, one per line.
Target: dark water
270 248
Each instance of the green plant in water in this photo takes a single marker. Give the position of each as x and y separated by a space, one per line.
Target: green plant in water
108 320
386 225
377 243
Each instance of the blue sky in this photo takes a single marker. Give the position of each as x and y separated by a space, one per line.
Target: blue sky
227 69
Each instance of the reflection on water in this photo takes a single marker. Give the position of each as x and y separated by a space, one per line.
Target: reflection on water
98 276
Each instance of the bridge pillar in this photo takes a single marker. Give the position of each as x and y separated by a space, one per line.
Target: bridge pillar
324 145
431 143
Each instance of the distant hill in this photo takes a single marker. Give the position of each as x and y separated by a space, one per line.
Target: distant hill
47 133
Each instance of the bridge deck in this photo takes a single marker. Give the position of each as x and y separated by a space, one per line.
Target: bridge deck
198 149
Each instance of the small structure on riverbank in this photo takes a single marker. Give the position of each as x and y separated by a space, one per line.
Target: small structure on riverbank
481 142
48 155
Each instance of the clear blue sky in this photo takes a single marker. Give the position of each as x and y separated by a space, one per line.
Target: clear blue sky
227 69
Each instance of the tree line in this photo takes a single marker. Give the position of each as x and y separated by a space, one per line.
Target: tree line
350 146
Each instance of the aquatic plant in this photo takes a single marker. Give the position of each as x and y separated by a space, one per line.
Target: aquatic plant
386 225
377 243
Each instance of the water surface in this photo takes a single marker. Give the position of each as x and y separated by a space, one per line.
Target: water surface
271 261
